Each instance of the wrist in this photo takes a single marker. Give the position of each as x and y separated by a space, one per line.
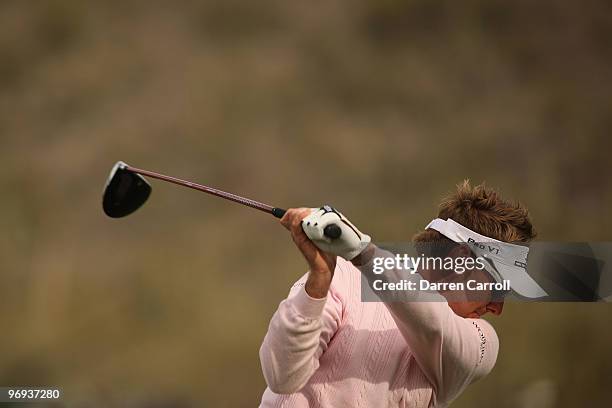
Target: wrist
365 256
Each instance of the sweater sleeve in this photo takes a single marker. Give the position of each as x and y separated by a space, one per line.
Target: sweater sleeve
451 350
298 334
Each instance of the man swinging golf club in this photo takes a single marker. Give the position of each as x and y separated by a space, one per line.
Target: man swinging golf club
326 348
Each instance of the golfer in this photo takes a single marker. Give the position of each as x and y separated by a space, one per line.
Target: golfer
326 348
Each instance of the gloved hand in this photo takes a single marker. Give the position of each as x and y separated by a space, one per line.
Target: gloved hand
350 243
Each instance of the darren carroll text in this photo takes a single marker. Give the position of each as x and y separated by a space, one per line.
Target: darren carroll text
380 285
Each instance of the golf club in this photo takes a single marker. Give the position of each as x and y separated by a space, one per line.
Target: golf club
127 190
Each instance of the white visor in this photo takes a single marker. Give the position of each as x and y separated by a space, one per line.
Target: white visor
509 261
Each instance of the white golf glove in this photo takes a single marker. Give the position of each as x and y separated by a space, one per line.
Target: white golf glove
348 245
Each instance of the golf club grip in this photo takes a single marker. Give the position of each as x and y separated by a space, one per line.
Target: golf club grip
278 212
331 231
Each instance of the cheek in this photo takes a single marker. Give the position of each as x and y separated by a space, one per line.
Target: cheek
461 308
468 309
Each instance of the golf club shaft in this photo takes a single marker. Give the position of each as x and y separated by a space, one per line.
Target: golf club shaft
277 212
331 231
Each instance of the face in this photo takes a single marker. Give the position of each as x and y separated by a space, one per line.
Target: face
474 310
468 304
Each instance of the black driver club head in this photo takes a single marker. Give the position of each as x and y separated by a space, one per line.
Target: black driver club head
125 192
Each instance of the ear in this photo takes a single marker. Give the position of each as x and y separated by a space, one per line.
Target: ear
495 308
460 251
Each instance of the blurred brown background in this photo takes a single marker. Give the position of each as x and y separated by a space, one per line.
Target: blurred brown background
377 107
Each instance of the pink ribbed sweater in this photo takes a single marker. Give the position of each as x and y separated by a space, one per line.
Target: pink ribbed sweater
340 352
